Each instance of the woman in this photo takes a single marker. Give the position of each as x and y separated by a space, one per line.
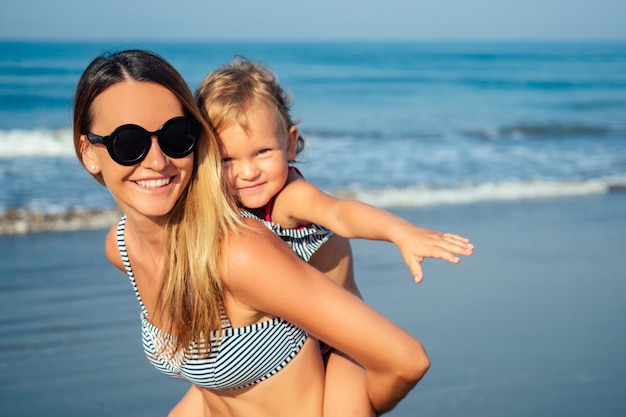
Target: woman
224 303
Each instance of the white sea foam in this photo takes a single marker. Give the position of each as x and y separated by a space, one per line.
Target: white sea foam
420 196
40 142
26 220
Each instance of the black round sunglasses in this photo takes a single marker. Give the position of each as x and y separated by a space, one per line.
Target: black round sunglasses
129 144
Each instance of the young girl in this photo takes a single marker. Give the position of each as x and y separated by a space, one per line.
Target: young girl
239 323
258 139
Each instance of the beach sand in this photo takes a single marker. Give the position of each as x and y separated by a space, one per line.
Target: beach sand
531 325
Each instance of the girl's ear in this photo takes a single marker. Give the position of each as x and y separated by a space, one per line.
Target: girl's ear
89 160
292 142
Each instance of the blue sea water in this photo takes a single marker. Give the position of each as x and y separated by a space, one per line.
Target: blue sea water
391 123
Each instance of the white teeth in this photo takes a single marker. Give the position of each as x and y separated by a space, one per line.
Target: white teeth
153 183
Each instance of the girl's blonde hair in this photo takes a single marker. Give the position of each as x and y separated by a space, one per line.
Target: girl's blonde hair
191 295
226 95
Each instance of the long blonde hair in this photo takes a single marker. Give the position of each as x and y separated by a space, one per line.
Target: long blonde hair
191 295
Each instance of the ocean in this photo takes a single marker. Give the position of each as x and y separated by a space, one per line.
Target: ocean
393 124
520 146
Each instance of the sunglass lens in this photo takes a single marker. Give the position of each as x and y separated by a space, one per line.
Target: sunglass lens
178 138
130 145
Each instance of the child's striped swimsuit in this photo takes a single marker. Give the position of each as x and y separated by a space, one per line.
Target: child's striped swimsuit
304 240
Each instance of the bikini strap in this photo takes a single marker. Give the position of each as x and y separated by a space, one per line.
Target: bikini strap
121 244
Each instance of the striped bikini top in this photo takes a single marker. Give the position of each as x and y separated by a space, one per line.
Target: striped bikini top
303 240
240 357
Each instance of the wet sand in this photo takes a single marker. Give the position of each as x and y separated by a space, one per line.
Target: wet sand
531 325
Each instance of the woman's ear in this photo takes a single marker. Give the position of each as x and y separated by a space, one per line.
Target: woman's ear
89 160
292 142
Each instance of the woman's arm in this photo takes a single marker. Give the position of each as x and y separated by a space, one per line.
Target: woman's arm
265 275
354 219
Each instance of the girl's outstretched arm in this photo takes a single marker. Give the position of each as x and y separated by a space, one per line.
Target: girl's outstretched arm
353 219
265 275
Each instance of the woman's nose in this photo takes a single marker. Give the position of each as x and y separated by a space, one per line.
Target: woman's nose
155 159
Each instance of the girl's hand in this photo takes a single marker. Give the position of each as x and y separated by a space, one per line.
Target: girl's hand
418 243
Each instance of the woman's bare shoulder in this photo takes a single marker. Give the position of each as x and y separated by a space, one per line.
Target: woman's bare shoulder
255 260
253 247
